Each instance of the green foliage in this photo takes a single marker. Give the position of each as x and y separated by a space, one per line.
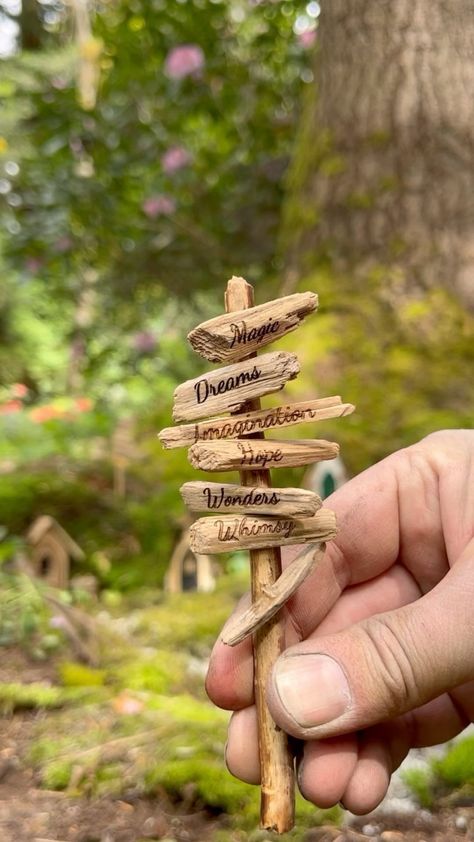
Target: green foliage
73 674
16 696
456 768
162 672
420 781
402 360
25 617
86 175
189 621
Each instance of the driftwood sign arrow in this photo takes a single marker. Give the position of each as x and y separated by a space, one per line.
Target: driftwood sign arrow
267 605
236 335
226 532
255 422
231 387
253 454
227 497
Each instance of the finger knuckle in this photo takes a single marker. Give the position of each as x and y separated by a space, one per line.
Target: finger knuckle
392 663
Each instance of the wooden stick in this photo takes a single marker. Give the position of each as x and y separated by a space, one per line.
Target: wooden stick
277 806
226 497
237 334
231 532
231 387
255 422
243 454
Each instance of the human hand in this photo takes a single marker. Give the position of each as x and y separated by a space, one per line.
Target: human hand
379 639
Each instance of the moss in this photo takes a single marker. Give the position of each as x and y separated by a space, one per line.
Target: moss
456 768
388 183
15 696
192 621
57 775
420 782
213 787
379 139
78 675
332 165
160 672
360 200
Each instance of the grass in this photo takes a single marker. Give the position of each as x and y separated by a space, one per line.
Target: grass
17 696
453 771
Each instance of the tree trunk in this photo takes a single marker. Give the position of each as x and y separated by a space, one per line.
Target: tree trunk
384 170
31 28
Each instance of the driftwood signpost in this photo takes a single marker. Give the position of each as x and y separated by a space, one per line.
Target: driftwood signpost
252 514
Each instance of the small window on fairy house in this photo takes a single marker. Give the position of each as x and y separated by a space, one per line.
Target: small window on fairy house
326 477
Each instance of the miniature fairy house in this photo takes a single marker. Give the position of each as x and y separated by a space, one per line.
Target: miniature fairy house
326 477
51 551
189 571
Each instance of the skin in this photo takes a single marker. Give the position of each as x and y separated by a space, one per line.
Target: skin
392 604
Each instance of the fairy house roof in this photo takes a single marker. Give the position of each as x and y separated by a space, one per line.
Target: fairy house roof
45 525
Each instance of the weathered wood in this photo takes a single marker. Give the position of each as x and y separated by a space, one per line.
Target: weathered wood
277 787
248 454
235 335
226 497
238 628
227 532
255 422
228 389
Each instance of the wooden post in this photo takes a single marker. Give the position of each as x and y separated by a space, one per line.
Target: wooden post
277 809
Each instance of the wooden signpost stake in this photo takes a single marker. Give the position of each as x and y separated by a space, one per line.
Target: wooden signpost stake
253 514
277 805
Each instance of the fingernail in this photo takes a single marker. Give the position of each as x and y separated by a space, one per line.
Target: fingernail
312 688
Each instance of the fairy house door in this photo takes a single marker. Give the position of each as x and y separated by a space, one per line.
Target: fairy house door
189 571
326 477
51 551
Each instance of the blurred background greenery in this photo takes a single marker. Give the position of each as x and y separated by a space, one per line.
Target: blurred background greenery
148 151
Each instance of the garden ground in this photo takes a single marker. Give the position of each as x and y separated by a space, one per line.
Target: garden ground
131 750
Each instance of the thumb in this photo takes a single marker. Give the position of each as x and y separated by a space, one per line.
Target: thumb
381 667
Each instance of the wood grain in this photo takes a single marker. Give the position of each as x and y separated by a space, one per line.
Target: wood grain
229 532
227 497
239 627
254 422
235 335
229 388
250 454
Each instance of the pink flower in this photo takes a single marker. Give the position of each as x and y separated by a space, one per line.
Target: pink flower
175 158
307 38
19 390
59 83
144 342
33 264
156 205
10 406
185 60
63 244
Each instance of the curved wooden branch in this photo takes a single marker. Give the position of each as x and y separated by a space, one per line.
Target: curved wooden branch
275 595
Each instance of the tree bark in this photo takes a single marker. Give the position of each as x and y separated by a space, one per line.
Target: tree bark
384 170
